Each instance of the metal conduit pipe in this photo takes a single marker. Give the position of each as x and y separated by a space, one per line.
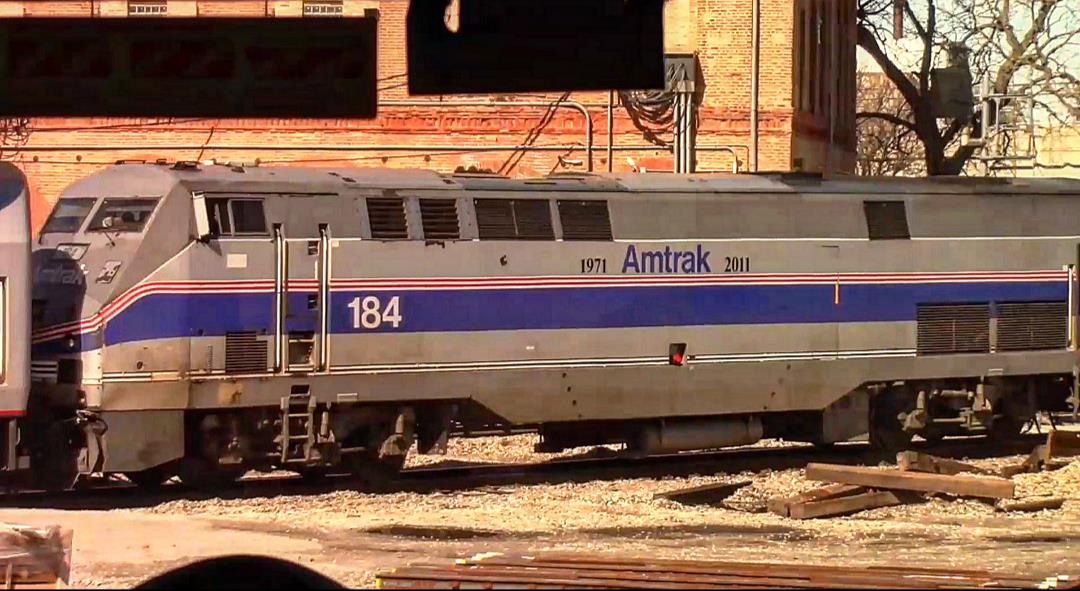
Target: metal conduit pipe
611 128
755 35
731 149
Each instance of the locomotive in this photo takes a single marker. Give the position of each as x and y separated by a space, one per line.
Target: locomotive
14 308
200 320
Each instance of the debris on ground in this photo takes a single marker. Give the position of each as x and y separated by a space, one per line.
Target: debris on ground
1059 444
918 476
557 571
914 461
34 557
706 494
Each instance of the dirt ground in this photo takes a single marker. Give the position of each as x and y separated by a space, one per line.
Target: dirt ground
348 535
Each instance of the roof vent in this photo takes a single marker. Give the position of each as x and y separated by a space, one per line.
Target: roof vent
131 161
185 165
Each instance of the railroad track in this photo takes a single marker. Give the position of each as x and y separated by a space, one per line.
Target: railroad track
109 494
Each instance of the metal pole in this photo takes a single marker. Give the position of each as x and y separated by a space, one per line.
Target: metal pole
984 91
755 35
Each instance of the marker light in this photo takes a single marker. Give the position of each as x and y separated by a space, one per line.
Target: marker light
677 354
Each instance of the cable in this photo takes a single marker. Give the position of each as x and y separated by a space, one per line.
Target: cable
305 160
515 157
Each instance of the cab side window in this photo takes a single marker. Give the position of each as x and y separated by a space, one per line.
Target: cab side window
236 216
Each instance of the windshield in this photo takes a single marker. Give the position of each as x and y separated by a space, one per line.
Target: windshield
122 215
68 215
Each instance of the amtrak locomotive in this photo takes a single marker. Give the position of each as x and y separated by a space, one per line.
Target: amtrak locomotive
202 320
14 308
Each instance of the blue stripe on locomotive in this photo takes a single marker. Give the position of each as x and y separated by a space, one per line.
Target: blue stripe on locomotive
214 314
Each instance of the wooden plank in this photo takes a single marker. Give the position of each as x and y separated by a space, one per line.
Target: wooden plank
967 486
782 505
1062 444
1031 504
914 461
755 570
843 505
702 495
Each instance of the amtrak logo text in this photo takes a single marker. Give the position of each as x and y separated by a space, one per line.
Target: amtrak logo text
666 261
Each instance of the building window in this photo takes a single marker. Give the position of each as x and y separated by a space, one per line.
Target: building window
323 8
148 7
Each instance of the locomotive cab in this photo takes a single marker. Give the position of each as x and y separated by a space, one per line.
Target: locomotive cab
99 241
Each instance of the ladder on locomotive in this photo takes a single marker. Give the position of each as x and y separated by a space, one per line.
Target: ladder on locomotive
297 426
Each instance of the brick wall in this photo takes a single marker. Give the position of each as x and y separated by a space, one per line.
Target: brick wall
719 31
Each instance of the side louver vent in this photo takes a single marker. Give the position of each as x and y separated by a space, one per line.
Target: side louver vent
585 220
953 328
1025 326
440 219
245 353
387 218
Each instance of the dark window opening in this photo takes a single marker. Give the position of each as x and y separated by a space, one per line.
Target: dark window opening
886 220
301 348
122 215
324 8
514 219
387 218
247 216
236 217
148 7
68 215
585 220
68 371
440 219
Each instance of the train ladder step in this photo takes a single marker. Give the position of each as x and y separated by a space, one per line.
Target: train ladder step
297 427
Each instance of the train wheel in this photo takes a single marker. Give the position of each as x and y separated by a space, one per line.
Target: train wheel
149 478
1005 429
932 438
886 432
55 461
202 474
375 473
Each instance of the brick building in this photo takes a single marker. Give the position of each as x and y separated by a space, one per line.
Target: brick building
807 70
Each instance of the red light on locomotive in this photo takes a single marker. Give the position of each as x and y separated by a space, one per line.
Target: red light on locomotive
677 354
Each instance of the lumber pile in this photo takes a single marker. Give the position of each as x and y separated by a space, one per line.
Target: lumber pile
851 489
34 557
583 571
1059 444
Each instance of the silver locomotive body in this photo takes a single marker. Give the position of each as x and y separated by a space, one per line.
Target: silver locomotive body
209 319
14 308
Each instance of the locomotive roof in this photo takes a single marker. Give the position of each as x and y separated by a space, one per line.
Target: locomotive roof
146 179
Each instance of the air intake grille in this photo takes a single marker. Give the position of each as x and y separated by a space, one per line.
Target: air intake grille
440 219
244 353
510 219
585 220
387 218
1024 326
953 328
